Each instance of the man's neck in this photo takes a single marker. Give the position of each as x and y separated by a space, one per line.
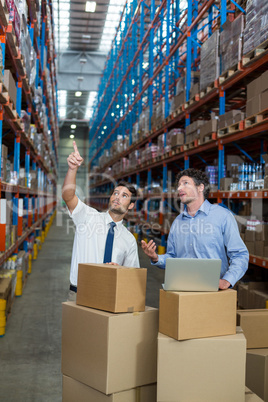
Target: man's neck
116 217
194 206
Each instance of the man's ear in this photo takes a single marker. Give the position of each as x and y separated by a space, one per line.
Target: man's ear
131 205
201 188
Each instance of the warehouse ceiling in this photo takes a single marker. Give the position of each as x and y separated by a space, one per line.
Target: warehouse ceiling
84 31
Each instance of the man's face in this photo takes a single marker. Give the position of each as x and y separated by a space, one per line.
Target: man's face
120 201
188 191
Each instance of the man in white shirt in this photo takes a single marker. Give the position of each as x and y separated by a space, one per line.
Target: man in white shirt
92 227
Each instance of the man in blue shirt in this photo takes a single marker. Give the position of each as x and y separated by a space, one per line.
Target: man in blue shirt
203 230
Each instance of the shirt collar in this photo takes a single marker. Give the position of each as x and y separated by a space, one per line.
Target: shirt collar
108 220
205 207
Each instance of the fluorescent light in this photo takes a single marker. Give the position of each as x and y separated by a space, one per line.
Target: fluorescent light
71 136
62 112
78 94
73 126
85 36
90 6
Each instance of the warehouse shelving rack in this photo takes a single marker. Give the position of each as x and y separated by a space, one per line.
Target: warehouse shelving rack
34 205
131 84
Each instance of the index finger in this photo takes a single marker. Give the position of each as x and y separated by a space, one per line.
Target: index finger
75 147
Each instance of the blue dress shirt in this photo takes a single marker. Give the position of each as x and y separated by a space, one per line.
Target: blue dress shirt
211 233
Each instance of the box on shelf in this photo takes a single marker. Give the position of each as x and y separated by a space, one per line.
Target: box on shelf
231 43
209 63
225 183
73 390
111 288
109 352
10 85
210 126
195 369
188 315
257 372
254 324
230 118
252 295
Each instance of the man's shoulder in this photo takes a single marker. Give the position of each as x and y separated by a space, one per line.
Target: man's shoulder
127 233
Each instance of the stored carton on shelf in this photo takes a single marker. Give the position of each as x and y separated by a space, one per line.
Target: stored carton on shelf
109 352
111 288
73 390
255 327
10 85
257 372
188 315
203 370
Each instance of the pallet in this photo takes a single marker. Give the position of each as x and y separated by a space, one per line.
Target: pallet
254 54
176 151
228 74
3 94
256 119
234 128
178 111
12 39
208 138
192 144
207 90
192 101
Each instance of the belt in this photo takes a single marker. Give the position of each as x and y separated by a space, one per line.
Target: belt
73 288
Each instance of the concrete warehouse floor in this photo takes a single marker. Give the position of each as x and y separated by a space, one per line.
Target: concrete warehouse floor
30 351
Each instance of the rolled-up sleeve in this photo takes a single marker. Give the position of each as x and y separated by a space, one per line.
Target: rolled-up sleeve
171 252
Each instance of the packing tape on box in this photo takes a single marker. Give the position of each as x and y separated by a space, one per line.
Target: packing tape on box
136 313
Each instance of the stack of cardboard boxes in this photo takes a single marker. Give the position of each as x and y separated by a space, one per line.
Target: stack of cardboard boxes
255 327
257 240
252 295
4 156
209 64
193 131
257 95
201 352
109 337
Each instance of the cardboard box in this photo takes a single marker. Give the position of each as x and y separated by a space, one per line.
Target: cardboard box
242 295
225 183
264 81
251 397
250 246
109 352
4 151
10 85
188 315
255 327
111 288
254 88
257 372
259 248
73 390
253 106
203 370
177 139
264 100
249 235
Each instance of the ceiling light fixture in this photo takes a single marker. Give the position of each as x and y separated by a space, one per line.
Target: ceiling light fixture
90 6
71 136
78 94
73 126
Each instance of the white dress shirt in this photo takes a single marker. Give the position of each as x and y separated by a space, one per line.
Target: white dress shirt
90 238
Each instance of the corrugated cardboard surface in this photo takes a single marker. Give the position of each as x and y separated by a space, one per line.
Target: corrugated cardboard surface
111 288
188 315
251 397
73 391
109 352
203 370
255 326
257 372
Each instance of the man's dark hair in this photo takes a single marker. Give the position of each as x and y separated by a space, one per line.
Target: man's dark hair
198 177
130 188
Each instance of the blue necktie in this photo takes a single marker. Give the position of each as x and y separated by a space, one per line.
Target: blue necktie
109 244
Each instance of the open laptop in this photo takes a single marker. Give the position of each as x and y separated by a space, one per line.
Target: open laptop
192 274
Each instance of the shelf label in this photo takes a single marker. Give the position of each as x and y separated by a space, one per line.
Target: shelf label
238 194
264 263
254 260
246 194
255 194
223 194
265 194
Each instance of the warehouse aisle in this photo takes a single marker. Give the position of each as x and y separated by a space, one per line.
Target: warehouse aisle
30 352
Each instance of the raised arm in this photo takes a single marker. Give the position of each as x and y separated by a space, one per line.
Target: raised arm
68 189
